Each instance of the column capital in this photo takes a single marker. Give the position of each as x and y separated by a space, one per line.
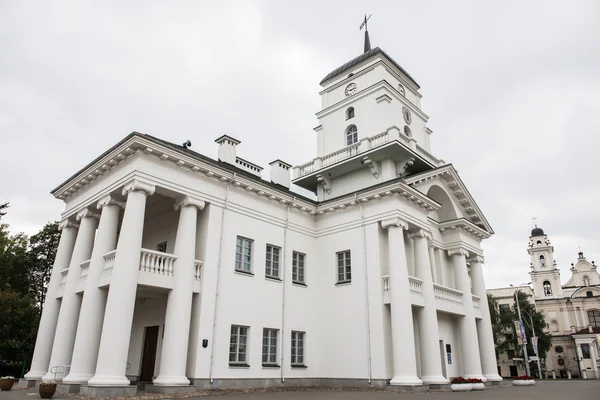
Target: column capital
109 201
394 222
66 223
187 201
475 258
421 233
86 213
458 251
138 186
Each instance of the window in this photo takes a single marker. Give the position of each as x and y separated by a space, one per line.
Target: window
351 135
407 131
504 308
297 349
542 261
585 350
594 318
510 354
547 288
558 349
350 113
589 294
162 247
298 267
539 242
586 281
401 90
243 254
344 271
237 345
554 326
269 348
272 262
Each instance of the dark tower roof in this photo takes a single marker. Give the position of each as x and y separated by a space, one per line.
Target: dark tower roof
537 231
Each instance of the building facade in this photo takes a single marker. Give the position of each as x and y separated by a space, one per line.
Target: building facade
571 310
175 268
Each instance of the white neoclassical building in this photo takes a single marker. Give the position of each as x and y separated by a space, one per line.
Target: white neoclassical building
175 268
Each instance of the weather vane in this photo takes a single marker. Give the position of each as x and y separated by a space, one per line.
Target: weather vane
365 23
367 47
534 219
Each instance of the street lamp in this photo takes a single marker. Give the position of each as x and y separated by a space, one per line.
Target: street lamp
537 353
527 371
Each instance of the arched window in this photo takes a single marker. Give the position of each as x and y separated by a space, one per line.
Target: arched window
586 280
539 242
351 135
542 261
407 131
594 318
589 293
350 113
401 90
558 349
547 289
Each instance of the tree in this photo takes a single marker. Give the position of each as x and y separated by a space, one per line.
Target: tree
42 252
17 330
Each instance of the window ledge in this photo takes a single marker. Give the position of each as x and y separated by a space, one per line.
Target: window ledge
242 272
270 366
299 366
299 284
234 365
342 283
272 278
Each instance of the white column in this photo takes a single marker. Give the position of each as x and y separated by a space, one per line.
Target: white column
467 328
40 364
118 316
403 343
594 357
432 262
580 362
64 338
173 359
89 327
487 349
431 364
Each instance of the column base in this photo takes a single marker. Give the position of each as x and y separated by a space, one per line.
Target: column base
78 378
50 376
434 380
406 381
493 378
108 380
171 381
35 375
26 383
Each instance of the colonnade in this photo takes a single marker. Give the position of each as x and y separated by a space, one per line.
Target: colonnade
91 333
476 340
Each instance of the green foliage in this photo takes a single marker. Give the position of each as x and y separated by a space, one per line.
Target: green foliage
42 252
17 331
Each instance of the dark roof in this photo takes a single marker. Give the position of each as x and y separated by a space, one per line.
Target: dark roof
341 69
537 231
586 331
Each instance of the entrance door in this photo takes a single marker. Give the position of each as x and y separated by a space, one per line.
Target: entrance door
513 370
149 353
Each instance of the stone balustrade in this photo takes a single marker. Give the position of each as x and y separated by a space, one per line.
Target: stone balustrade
85 269
109 262
476 301
416 285
157 262
447 294
197 270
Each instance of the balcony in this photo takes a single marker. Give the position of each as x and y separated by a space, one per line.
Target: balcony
389 144
415 286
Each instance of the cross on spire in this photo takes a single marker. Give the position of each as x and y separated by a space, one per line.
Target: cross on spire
367 47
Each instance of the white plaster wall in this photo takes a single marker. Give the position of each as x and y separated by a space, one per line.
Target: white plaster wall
148 312
161 228
448 328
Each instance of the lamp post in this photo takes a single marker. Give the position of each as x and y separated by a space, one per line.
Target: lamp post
537 353
527 371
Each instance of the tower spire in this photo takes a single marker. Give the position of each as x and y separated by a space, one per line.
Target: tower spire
367 41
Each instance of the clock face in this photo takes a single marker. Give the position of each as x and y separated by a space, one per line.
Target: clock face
350 89
407 115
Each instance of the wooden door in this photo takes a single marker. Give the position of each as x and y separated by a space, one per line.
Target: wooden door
149 353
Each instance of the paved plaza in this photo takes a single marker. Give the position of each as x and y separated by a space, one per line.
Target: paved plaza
546 390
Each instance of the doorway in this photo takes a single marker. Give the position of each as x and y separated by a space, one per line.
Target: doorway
149 353
513 370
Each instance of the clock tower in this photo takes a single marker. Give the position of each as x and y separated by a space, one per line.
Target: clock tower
545 275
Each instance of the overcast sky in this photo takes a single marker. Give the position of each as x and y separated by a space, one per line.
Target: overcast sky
512 89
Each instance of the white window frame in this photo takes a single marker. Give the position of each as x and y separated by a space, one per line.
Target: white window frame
241 245
269 347
240 345
298 264
272 261
351 135
298 346
344 266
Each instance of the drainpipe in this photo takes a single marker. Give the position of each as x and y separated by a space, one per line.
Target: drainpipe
364 229
214 328
285 229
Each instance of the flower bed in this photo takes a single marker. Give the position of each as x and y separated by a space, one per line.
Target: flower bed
523 380
466 384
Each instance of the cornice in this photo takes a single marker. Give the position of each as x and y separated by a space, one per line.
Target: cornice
464 225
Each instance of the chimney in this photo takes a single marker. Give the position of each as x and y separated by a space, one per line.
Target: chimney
280 173
227 149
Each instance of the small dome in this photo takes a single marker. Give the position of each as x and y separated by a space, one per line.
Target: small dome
537 231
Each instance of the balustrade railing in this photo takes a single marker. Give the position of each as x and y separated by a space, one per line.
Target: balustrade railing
427 155
109 262
85 269
476 301
157 262
386 285
379 139
197 269
447 294
415 285
63 278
